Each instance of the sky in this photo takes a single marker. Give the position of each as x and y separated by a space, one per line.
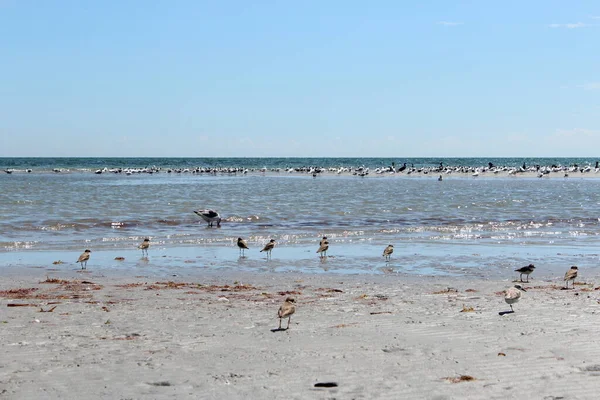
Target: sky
389 78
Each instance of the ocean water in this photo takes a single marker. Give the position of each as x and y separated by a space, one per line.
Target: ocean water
460 226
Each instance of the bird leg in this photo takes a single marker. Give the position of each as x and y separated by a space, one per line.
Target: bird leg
288 325
511 309
279 323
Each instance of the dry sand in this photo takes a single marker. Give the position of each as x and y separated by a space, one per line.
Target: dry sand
210 337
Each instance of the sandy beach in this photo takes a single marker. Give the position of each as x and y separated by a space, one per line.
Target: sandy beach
69 334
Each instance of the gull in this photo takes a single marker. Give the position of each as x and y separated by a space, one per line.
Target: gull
526 270
570 276
513 295
241 243
210 216
83 258
286 310
387 253
324 245
144 246
269 247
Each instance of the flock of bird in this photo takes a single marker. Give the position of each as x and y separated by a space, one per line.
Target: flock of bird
513 294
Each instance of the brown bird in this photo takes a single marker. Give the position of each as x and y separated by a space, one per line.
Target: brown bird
144 246
286 310
570 276
323 247
83 258
269 247
387 253
241 243
526 270
323 240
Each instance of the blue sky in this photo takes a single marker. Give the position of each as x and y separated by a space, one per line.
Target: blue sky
310 78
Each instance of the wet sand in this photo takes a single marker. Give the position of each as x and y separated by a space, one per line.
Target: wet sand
69 334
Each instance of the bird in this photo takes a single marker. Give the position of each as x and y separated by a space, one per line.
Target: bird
387 253
269 247
526 270
83 258
210 216
324 245
513 295
144 246
241 243
286 310
440 178
570 276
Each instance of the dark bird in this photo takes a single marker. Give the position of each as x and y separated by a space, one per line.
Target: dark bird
387 253
570 276
144 246
210 216
241 243
526 270
83 259
286 310
269 247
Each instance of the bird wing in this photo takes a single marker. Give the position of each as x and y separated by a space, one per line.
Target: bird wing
512 294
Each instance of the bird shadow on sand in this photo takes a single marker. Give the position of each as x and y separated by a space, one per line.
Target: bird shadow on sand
279 330
501 313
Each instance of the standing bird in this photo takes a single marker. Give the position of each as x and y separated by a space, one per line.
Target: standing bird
387 253
570 276
269 247
513 295
83 258
241 243
526 270
286 310
324 246
210 216
144 246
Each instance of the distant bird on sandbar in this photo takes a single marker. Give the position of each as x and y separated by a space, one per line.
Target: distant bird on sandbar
323 247
286 310
144 246
526 270
83 258
440 178
269 247
241 243
570 276
387 253
513 295
210 216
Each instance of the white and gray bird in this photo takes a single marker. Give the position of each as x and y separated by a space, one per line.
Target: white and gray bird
286 310
210 216
526 270
83 258
241 243
512 295
269 247
387 253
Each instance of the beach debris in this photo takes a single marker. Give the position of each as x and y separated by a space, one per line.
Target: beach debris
104 308
21 305
58 262
21 293
326 384
470 290
119 258
380 312
162 383
48 310
446 291
467 309
461 378
501 354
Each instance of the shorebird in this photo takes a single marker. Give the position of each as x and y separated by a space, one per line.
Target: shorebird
513 295
269 247
526 270
286 310
241 243
144 246
387 253
570 276
210 216
324 245
83 258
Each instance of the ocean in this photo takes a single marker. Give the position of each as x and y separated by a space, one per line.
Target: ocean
53 208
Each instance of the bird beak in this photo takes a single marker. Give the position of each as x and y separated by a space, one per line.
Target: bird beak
523 290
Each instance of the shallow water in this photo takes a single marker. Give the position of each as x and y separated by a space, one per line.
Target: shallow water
458 226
